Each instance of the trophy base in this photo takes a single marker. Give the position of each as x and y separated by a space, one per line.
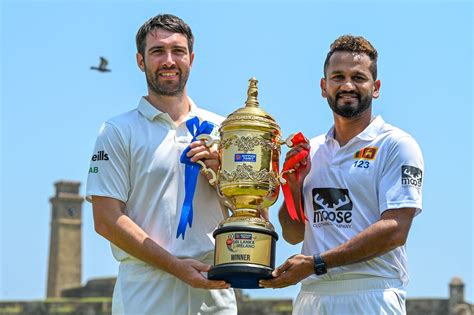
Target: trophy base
242 276
243 254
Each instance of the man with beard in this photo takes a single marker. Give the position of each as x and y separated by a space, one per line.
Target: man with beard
137 186
361 188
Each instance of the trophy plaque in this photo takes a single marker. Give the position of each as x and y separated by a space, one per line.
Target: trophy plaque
248 180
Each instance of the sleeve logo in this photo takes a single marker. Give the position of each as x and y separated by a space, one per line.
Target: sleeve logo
412 176
100 156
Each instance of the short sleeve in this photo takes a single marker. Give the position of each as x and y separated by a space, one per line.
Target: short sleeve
401 181
109 166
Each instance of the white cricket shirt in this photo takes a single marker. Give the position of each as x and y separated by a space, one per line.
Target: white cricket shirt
349 187
136 160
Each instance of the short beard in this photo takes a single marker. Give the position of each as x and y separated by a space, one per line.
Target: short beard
163 89
349 111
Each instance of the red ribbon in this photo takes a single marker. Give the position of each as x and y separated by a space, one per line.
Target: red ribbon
289 165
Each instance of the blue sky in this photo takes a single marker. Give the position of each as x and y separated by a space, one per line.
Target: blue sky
52 106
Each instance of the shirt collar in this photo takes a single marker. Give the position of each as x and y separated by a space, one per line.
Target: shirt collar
151 112
148 110
330 134
369 133
372 129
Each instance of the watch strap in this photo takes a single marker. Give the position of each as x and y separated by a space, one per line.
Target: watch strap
320 267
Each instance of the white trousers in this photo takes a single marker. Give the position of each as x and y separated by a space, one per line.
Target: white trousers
364 296
141 289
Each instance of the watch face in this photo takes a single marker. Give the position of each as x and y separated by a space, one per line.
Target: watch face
71 212
320 270
319 265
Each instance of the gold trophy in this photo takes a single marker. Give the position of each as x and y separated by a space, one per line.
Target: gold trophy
248 180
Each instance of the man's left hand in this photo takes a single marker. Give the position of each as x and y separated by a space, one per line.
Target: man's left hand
295 269
199 151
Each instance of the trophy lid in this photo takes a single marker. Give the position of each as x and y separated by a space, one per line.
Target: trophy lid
251 115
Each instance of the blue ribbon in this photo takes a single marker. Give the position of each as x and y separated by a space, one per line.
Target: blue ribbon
191 174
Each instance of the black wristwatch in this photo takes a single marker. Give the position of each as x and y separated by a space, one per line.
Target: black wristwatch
319 265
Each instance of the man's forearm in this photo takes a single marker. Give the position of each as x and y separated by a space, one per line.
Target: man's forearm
379 238
112 223
293 231
128 236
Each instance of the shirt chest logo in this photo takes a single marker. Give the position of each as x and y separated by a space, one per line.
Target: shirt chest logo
368 153
364 156
331 206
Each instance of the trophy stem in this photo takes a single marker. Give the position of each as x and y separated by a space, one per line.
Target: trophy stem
246 212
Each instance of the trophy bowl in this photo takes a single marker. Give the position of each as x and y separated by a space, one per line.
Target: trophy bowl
248 180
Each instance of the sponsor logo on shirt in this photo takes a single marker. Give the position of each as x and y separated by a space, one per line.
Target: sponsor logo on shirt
412 176
93 170
100 156
241 157
368 153
332 206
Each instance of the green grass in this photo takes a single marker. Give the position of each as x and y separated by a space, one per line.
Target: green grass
13 309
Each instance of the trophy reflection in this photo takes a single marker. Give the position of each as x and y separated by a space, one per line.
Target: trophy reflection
248 180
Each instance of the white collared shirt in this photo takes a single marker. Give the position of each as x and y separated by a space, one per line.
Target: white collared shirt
136 160
349 187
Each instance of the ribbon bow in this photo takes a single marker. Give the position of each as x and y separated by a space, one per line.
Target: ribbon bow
191 174
288 167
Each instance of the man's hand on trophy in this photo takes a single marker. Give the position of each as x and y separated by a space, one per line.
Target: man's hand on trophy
303 166
190 271
295 269
208 155
296 167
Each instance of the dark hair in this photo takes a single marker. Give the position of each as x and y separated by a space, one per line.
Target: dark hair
167 22
357 45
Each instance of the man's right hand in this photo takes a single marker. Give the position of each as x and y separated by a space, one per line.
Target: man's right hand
304 166
190 271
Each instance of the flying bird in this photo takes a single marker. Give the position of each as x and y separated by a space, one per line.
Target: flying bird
102 66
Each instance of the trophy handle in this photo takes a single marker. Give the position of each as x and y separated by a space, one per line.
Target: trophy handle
290 144
209 141
280 177
208 171
287 141
212 181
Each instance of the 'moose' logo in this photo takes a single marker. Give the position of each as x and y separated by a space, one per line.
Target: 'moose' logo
332 206
100 156
412 176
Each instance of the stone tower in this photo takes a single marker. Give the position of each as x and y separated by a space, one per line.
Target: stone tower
65 267
456 295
